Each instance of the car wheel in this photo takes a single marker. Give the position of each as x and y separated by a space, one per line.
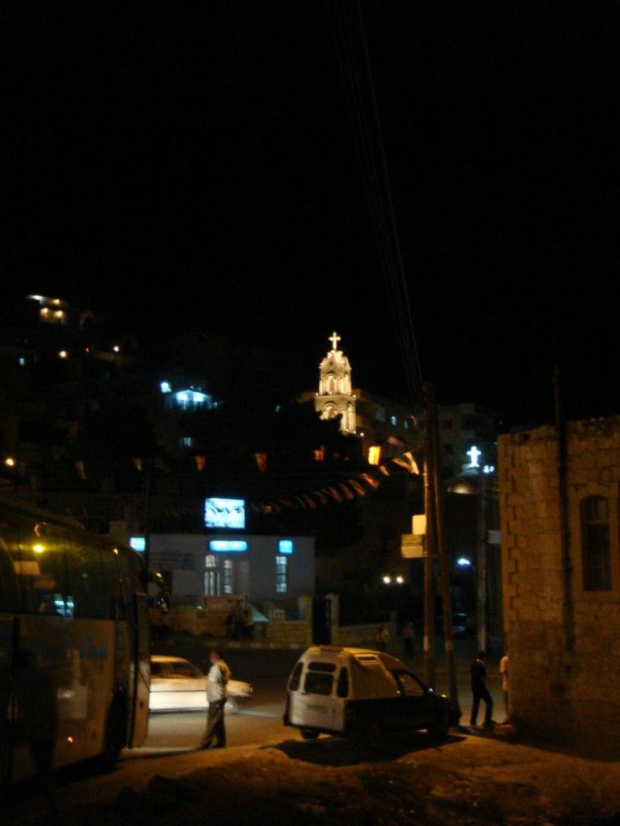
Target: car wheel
441 726
309 734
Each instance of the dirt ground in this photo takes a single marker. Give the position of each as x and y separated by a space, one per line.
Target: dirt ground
463 780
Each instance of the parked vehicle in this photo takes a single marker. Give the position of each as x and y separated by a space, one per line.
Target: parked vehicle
178 685
356 691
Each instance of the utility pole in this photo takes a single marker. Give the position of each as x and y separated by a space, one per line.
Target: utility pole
433 454
567 573
147 519
429 574
481 566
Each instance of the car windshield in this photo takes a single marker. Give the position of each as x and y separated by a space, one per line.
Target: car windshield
185 670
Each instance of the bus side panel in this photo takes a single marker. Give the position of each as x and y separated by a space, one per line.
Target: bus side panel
142 673
78 654
8 631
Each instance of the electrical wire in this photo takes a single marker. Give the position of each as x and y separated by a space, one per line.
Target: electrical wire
353 56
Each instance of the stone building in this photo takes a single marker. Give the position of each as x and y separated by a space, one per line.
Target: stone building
559 505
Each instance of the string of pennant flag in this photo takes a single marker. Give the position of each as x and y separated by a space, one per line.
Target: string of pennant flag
348 489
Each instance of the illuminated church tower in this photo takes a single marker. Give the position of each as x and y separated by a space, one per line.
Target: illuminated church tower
335 396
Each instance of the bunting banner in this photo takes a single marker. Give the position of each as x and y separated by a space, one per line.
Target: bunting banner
339 491
407 461
357 487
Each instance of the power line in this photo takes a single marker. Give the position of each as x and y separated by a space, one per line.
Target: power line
356 74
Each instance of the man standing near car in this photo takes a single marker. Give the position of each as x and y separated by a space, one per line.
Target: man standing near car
217 680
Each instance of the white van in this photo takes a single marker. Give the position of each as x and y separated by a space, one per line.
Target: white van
349 691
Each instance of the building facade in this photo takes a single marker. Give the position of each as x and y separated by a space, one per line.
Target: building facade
261 569
559 507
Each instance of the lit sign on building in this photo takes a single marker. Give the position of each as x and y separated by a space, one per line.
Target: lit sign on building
225 545
224 513
474 456
138 543
191 398
285 546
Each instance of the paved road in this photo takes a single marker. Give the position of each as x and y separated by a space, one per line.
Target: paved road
170 747
260 717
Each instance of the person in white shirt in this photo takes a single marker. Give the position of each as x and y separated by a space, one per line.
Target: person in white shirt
503 670
217 680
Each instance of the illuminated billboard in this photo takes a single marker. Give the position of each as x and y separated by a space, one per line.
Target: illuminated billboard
224 513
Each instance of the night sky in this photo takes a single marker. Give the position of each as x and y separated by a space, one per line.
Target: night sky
208 165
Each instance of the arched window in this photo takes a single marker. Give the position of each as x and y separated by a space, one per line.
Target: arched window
210 582
595 551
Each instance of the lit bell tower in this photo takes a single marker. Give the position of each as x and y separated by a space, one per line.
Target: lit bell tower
335 396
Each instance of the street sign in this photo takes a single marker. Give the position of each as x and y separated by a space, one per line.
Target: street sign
418 523
411 546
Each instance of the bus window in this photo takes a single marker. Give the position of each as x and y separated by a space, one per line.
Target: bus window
86 581
116 607
9 601
50 584
39 564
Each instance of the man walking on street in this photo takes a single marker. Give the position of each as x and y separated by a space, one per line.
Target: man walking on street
217 679
480 691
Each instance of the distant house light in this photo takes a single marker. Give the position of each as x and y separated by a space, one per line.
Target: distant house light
374 454
393 421
63 354
285 546
463 562
21 361
164 386
488 469
116 348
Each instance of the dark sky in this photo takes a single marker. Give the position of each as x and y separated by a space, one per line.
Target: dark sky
196 165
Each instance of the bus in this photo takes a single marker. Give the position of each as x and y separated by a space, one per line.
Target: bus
76 604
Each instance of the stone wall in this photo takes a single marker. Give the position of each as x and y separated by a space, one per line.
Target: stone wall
277 633
564 641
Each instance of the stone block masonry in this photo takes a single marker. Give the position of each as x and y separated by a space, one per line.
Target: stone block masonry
563 626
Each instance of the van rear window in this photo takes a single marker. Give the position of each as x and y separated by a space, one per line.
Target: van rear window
328 668
296 677
318 683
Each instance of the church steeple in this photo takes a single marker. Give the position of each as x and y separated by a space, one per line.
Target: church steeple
335 396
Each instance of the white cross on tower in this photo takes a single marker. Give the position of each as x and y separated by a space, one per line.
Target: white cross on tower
474 454
334 338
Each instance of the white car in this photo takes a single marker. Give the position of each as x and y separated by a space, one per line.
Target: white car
177 685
